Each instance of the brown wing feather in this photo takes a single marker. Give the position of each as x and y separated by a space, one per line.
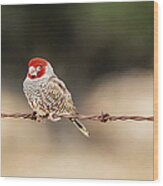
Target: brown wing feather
58 97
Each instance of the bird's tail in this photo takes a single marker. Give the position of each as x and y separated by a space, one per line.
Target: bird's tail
80 127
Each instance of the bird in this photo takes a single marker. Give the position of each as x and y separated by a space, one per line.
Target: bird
48 95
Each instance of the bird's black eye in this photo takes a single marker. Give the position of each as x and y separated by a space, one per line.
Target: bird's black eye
39 67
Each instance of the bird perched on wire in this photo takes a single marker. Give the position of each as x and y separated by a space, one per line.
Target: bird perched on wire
47 94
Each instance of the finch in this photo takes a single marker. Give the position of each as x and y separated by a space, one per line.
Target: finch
47 95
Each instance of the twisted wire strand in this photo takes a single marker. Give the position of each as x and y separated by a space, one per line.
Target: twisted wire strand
103 117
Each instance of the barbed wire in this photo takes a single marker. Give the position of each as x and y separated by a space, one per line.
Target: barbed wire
103 117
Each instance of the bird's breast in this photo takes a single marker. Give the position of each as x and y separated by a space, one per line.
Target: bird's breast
33 91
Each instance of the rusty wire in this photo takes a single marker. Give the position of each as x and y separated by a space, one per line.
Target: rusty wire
103 117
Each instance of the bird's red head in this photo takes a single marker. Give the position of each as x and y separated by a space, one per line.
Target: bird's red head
37 68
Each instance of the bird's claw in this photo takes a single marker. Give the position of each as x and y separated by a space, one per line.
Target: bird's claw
54 119
39 119
34 116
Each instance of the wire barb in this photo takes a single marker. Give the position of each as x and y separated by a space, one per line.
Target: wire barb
103 117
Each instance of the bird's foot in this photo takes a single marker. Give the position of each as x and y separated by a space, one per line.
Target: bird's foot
34 116
39 119
53 118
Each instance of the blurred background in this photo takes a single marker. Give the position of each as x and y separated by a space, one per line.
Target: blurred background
104 54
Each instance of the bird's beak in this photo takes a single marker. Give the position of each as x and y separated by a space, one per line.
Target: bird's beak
32 71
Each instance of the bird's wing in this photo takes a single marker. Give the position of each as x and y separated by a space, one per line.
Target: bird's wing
59 97
58 92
